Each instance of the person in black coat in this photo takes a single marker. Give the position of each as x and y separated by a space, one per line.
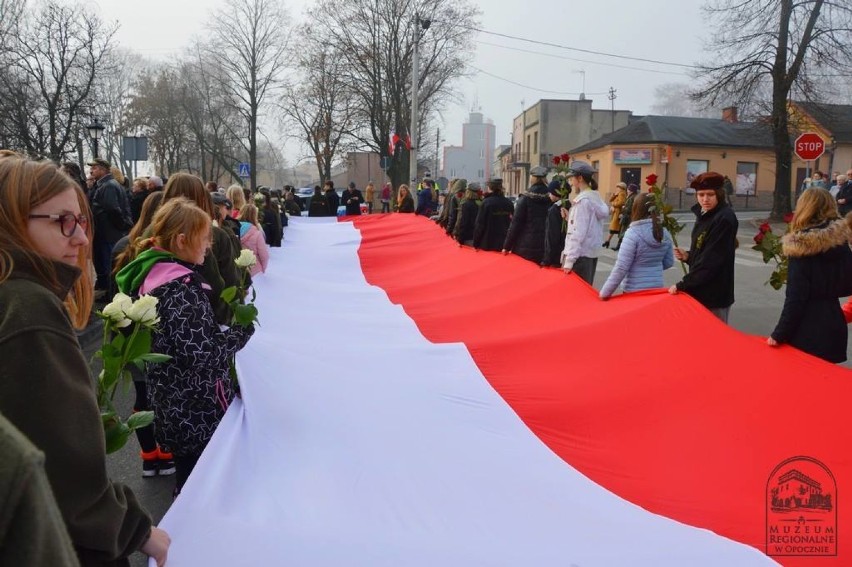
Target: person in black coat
818 274
319 205
332 199
844 195
468 211
555 226
493 218
714 245
352 199
458 189
526 232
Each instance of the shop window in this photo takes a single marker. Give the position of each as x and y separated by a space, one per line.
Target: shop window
746 183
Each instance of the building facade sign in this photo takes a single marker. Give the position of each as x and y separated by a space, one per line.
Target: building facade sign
627 157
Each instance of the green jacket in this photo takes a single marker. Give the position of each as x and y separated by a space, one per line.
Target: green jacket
32 532
47 392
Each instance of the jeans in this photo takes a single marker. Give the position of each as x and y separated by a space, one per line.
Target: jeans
385 206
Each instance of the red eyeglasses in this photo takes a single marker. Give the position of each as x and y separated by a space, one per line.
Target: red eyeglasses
67 222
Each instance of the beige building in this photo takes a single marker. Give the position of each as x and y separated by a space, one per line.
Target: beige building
833 123
552 127
677 149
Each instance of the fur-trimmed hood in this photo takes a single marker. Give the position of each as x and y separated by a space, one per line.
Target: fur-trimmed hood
816 240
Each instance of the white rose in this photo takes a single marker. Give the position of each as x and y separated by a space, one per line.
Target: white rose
144 310
116 311
247 259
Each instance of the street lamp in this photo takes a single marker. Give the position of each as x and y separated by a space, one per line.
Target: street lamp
96 130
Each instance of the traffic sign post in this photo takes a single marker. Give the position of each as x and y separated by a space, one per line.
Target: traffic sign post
244 170
808 147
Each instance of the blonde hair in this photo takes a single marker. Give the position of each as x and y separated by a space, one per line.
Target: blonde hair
399 197
175 217
237 196
117 175
24 185
248 213
815 206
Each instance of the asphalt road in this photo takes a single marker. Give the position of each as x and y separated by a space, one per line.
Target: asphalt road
755 312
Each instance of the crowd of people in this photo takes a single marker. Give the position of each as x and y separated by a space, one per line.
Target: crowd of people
177 239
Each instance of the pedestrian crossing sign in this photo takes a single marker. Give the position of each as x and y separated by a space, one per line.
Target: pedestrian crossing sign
244 170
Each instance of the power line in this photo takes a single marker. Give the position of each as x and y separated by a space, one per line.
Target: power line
616 65
568 47
478 70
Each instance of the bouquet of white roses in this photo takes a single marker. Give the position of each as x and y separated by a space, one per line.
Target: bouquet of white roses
243 313
128 326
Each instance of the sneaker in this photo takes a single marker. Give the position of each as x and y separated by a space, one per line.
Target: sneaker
150 467
166 464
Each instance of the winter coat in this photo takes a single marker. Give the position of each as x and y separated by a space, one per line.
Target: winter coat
332 200
526 231
190 392
47 392
407 205
292 207
617 202
252 239
32 531
554 234
271 222
452 213
466 221
319 206
492 222
136 202
584 232
426 206
110 209
352 199
641 259
711 257
626 212
845 192
819 273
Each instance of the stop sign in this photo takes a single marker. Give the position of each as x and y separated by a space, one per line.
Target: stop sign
809 146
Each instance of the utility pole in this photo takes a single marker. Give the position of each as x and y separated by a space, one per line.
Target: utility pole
437 149
415 80
612 98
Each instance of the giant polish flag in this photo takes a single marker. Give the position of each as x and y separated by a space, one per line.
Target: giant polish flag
407 402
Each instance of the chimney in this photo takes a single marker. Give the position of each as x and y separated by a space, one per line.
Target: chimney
729 114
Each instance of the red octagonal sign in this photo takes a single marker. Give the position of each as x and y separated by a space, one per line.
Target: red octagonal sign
809 146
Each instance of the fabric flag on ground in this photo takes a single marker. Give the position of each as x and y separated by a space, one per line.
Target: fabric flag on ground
410 402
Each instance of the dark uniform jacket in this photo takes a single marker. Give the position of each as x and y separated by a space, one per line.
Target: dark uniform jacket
526 232
318 206
492 222
452 213
47 392
554 235
711 257
819 272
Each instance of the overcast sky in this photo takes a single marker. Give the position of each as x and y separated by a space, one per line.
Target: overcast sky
662 30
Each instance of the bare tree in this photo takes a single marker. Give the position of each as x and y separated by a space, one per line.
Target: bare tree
673 99
51 64
320 103
250 39
376 40
784 44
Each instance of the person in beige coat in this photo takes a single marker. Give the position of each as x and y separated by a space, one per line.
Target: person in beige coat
616 203
370 196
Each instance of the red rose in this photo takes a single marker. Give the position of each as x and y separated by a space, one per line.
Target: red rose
788 218
556 160
651 179
764 228
565 157
758 238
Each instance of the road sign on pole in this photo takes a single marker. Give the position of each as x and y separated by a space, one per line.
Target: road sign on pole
244 170
809 146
